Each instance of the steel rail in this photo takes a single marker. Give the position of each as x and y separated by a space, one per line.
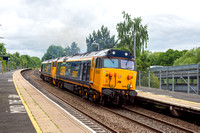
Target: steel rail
159 120
134 121
72 106
109 128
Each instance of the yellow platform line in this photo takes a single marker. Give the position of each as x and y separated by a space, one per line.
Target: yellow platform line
35 124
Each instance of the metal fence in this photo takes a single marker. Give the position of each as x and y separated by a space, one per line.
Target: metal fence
8 67
173 78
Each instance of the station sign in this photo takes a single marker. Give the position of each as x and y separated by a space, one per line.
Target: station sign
5 58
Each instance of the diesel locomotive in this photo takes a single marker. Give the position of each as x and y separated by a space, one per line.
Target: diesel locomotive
101 76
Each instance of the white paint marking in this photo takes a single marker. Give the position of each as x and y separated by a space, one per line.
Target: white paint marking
13 96
165 95
17 109
15 102
10 80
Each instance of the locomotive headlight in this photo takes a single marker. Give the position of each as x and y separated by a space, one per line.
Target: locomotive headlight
131 87
113 52
126 54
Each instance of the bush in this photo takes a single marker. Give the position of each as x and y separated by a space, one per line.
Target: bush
154 81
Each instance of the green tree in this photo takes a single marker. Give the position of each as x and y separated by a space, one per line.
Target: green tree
2 49
36 62
167 58
142 61
15 58
126 31
153 58
53 52
2 52
67 51
72 50
154 81
24 61
190 57
102 37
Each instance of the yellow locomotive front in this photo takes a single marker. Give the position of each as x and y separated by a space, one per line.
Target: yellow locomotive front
114 77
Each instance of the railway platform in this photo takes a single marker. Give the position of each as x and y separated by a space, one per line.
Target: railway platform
12 112
39 113
174 100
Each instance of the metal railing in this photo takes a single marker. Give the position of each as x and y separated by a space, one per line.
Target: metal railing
173 78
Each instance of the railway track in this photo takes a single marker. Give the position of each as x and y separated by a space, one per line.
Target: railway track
132 120
159 120
150 123
147 121
80 115
94 124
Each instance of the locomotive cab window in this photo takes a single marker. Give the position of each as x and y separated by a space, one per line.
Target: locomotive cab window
128 64
111 63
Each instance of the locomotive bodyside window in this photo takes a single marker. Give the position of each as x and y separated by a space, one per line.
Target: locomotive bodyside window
58 68
48 68
73 69
54 64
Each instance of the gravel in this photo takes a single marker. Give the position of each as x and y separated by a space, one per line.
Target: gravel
97 112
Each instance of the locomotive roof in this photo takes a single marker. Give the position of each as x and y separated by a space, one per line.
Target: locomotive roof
50 60
89 55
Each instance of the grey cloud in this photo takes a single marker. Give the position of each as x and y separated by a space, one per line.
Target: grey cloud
41 23
169 31
36 35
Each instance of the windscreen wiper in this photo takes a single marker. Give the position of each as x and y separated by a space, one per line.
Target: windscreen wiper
111 60
127 62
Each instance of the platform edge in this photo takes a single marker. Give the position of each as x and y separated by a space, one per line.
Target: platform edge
35 124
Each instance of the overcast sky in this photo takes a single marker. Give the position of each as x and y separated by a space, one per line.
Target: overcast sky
31 26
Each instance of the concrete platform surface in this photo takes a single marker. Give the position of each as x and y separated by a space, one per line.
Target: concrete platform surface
45 115
190 101
13 116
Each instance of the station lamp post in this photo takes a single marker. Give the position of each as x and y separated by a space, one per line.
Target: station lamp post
134 47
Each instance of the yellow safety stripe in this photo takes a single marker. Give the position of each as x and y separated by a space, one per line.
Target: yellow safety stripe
35 124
